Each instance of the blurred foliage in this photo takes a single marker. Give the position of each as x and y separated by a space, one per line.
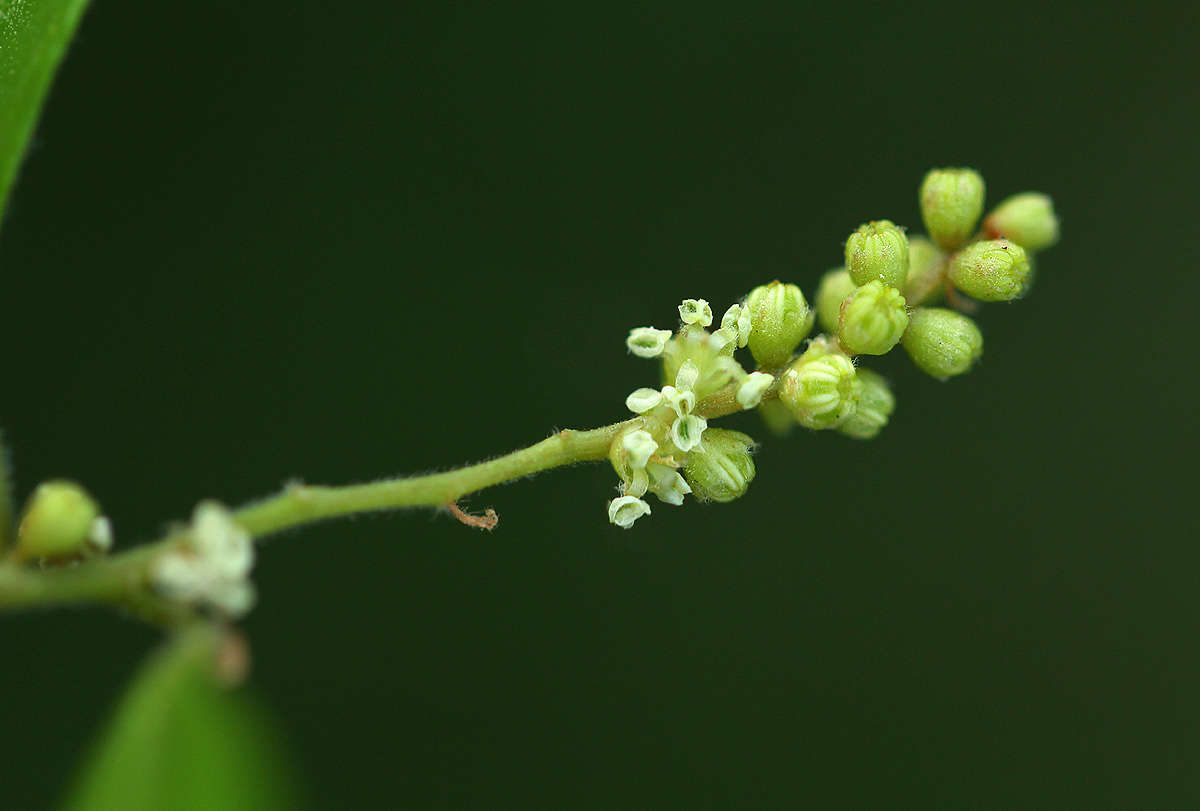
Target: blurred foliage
33 37
180 741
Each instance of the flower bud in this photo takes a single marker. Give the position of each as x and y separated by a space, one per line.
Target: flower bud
780 318
942 343
926 272
878 250
875 404
873 319
835 286
819 388
951 202
993 270
724 470
1027 219
57 521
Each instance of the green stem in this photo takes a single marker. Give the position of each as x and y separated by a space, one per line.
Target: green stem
121 579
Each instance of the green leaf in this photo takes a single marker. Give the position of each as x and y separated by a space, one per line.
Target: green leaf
33 38
7 512
180 741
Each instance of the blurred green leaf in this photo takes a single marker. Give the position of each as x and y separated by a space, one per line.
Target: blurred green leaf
34 35
6 497
180 741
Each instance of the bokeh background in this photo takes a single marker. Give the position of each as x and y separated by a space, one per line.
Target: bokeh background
261 241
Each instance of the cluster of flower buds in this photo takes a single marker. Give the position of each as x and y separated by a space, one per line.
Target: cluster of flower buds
877 300
210 567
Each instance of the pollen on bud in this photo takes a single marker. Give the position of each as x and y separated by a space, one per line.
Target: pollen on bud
835 286
724 470
872 320
1027 219
624 510
951 202
992 270
647 342
57 522
874 406
941 342
878 250
780 318
819 388
926 272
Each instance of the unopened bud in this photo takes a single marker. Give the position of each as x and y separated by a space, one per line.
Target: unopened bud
835 286
819 388
875 404
57 521
993 270
724 470
873 319
1027 219
942 342
780 318
951 202
878 250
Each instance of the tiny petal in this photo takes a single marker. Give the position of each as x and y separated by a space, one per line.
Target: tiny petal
681 402
100 535
695 311
667 484
689 373
686 432
647 342
643 400
750 393
641 447
624 510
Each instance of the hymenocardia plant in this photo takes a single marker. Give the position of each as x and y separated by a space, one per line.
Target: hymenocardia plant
886 294
878 299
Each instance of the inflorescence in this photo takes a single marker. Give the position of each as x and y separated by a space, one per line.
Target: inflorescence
882 296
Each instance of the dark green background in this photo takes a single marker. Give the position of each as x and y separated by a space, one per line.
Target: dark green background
342 241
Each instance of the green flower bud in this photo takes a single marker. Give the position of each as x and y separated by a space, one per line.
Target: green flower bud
878 250
874 406
873 319
951 202
942 343
1027 219
57 522
835 286
724 470
993 270
780 318
820 387
926 272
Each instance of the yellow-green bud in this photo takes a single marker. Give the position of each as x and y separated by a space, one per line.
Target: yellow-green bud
942 342
1027 219
835 286
724 470
819 388
779 319
56 522
874 406
878 250
926 272
873 319
951 202
992 270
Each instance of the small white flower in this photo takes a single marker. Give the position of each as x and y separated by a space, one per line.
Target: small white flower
641 446
100 534
667 484
643 400
647 342
695 311
687 431
212 566
624 510
750 393
220 540
681 402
